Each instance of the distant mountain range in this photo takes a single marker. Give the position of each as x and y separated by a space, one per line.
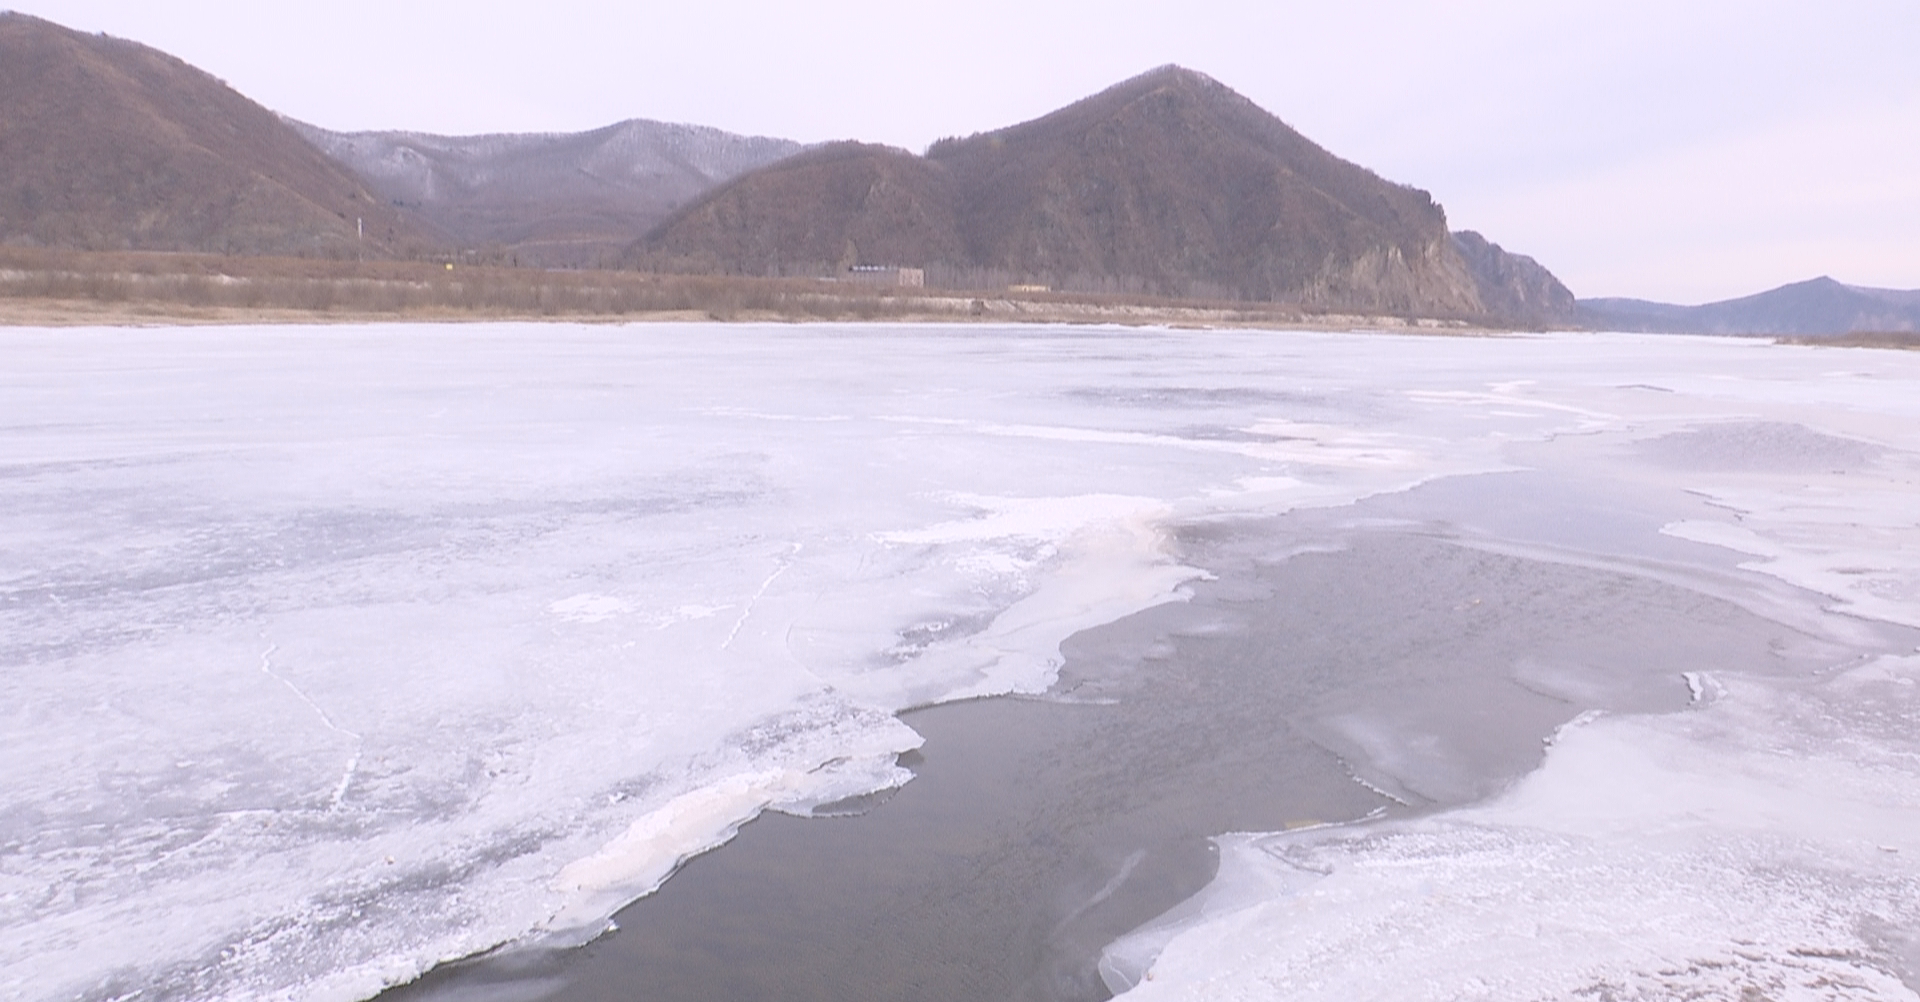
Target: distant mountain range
109 145
1167 184
1821 307
570 199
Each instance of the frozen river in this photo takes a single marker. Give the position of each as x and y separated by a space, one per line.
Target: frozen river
327 654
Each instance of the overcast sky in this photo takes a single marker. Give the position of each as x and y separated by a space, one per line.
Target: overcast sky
1685 150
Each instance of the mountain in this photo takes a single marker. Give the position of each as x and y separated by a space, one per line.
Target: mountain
1166 184
108 144
1514 287
1820 307
819 212
552 198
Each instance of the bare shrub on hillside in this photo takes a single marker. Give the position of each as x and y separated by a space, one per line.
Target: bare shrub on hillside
196 286
401 289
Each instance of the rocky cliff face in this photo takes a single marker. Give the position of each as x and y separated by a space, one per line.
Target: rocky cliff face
108 144
1167 184
549 198
1514 287
1174 183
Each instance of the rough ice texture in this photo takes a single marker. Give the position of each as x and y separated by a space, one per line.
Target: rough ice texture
326 654
1760 847
1764 843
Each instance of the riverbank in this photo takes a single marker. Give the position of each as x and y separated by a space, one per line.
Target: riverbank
70 288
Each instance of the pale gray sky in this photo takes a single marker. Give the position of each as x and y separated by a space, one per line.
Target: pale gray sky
1674 150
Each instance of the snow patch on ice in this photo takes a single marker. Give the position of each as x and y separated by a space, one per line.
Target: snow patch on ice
642 857
1861 547
1107 556
1040 519
1756 845
589 608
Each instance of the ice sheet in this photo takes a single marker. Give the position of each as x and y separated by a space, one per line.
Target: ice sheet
1761 844
1760 847
330 653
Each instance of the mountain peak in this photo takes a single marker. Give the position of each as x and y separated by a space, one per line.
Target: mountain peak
1168 183
555 198
1171 73
110 144
1187 93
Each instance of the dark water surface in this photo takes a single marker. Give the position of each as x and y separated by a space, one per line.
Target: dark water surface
1037 831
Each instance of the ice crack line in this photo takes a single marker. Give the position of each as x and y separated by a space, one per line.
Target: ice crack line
359 743
785 562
